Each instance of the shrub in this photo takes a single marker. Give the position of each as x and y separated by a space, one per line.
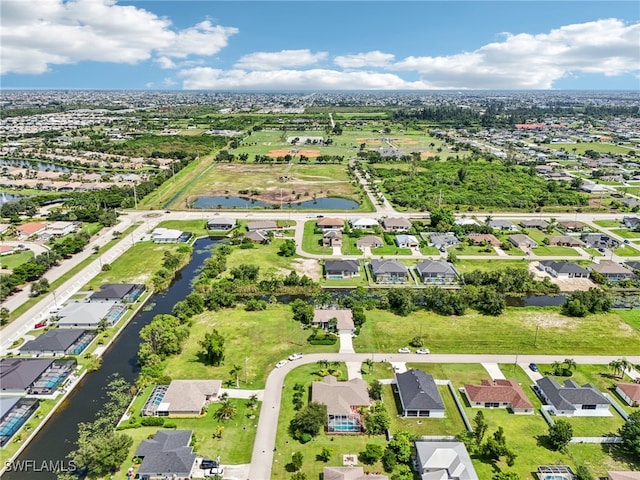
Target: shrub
171 425
152 421
305 438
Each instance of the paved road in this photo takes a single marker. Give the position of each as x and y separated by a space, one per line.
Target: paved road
36 248
262 457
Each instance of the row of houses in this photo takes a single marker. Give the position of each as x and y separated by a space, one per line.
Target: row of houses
41 230
392 271
612 271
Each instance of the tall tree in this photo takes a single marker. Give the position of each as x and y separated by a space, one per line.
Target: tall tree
213 345
560 434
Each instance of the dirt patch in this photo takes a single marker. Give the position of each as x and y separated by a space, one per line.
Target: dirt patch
427 154
294 152
554 320
309 267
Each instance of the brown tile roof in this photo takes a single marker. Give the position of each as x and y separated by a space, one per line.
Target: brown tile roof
343 316
499 390
485 237
31 227
631 390
330 222
340 397
623 475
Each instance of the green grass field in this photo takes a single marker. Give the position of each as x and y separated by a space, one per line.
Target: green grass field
13 260
625 233
263 338
513 332
464 266
607 223
559 251
312 242
627 251
601 147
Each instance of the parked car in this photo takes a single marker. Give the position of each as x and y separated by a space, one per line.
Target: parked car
281 363
207 464
40 324
215 471
295 356
627 241
533 367
423 351
404 350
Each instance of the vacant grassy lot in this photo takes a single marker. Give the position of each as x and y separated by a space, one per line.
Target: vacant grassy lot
607 223
601 147
262 338
15 259
512 332
559 251
488 265
627 251
625 233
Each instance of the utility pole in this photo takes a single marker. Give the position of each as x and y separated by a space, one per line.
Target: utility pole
246 360
535 339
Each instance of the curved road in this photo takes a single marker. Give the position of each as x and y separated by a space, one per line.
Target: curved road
262 457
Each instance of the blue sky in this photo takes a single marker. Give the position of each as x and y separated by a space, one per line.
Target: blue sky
320 45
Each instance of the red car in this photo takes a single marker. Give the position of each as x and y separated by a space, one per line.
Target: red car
40 324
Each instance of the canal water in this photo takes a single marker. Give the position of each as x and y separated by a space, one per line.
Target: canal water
57 438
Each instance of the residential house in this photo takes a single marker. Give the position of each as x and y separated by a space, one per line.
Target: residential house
327 223
522 241
341 269
166 235
571 226
534 223
442 241
90 315
118 292
435 460
188 397
502 225
436 271
369 241
465 222
33 376
623 475
572 399
332 238
31 228
406 241
262 225
630 202
257 236
349 473
343 317
498 393
419 395
168 455
343 401
221 223
563 269
612 271
58 342
489 238
364 223
599 240
593 188
629 392
15 411
632 223
635 266
59 229
389 271
566 241
396 224
5 228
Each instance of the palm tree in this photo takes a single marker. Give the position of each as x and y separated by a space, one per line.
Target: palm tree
235 372
615 366
569 364
369 363
226 411
323 363
624 366
556 367
252 402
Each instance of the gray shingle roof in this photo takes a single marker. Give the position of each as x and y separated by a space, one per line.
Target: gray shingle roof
564 267
571 394
20 373
418 391
167 454
114 290
435 266
387 266
352 266
57 340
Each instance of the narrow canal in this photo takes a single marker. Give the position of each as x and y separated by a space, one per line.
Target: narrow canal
58 437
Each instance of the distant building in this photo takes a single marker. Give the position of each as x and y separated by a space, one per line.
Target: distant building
502 225
522 241
443 241
31 228
629 392
399 224
262 225
534 223
221 223
566 241
166 235
571 226
631 223
364 223
489 238
59 229
407 241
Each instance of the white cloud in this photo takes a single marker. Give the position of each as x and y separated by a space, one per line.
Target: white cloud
525 61
368 59
315 79
165 63
281 59
36 34
169 82
149 84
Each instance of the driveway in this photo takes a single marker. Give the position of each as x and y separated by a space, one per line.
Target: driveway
494 371
535 376
346 343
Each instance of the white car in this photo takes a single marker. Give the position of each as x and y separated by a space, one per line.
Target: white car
404 350
281 363
423 351
295 356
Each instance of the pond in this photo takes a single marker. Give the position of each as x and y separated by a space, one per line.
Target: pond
34 165
325 203
8 197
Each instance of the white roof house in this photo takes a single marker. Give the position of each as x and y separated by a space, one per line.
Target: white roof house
364 223
166 235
